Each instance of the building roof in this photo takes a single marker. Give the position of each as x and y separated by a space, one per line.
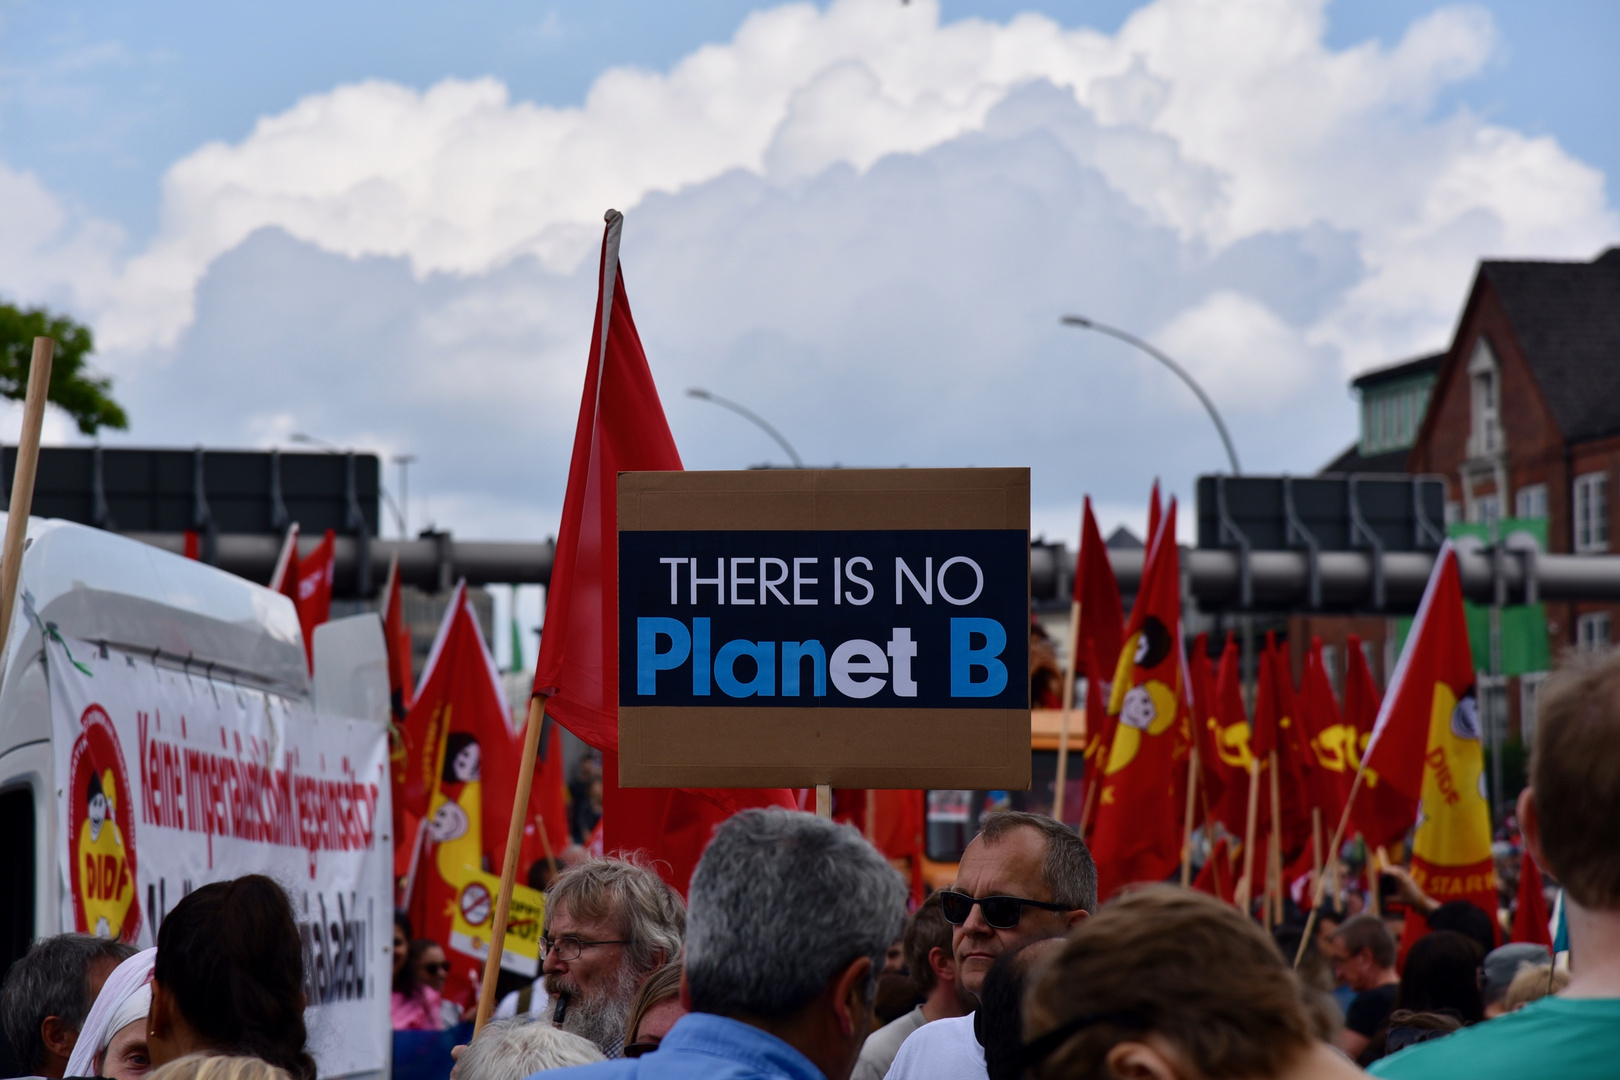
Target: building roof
1566 316
1406 369
1354 461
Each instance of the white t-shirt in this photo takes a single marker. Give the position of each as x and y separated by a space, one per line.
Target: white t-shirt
942 1050
881 1046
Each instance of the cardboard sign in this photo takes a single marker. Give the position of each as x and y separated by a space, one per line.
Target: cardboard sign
860 628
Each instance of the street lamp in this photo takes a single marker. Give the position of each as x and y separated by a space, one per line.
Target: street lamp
1220 426
747 414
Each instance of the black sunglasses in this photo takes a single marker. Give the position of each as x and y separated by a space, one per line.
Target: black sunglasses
436 969
1001 912
637 1049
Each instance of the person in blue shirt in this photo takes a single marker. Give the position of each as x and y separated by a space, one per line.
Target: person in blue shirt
788 920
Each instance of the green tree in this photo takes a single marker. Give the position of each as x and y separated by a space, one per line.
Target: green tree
75 387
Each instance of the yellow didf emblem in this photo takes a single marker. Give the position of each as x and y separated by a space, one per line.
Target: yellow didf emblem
1454 819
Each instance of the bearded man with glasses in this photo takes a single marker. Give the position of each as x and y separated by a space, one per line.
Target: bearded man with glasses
1023 879
609 924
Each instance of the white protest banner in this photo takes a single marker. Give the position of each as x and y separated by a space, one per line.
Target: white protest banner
167 780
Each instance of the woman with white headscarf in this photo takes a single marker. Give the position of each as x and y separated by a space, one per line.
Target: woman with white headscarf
112 1042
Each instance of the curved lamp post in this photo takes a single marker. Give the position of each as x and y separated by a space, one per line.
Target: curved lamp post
1220 425
748 414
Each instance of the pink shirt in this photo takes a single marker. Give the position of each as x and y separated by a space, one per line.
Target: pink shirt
419 1012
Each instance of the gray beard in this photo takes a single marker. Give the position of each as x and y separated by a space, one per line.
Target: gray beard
601 1018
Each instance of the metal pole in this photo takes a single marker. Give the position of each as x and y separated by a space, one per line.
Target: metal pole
1132 339
747 414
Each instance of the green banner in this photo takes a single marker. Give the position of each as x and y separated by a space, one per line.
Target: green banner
1525 647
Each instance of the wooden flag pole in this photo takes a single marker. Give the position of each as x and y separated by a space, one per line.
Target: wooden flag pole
22 481
871 815
1068 705
1245 886
1316 846
1091 790
1338 840
1187 822
509 865
1274 878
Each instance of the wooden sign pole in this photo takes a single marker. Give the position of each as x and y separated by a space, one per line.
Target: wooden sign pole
1062 781
1245 888
514 847
1274 878
22 482
1333 849
1187 823
824 801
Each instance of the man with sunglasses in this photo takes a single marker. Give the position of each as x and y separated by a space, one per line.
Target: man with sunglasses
1024 878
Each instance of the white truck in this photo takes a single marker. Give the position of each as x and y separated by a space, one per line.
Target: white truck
159 729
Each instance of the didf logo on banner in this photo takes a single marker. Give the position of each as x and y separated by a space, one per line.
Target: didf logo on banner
103 862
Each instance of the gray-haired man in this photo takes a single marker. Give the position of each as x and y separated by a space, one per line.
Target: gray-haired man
788 922
48 994
1025 877
610 923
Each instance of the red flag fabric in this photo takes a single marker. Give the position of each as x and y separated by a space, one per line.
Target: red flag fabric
1201 687
896 828
314 591
462 759
1153 514
1096 590
1362 699
1099 734
1230 734
1531 920
548 797
397 639
1332 763
621 428
1139 814
1426 748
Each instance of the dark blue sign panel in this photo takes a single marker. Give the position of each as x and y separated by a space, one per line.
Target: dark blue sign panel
932 619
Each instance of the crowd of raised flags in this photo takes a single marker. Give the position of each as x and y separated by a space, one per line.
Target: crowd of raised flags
1171 751
1169 747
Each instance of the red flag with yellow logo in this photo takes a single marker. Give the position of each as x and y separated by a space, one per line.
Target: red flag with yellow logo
1228 733
1138 815
1332 762
1426 753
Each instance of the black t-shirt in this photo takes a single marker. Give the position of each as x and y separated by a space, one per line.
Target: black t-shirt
1370 1008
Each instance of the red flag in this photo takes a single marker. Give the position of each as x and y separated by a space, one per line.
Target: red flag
1531 921
1139 814
1362 698
1332 763
462 757
1096 590
548 798
1153 514
313 596
1426 749
397 638
1229 741
896 828
621 428
1213 775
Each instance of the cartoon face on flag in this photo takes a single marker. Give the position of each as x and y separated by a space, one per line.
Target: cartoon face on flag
1149 708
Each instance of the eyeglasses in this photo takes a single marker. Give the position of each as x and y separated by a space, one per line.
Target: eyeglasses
636 1049
569 948
1001 912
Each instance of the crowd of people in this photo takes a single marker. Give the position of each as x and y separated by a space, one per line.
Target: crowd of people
772 966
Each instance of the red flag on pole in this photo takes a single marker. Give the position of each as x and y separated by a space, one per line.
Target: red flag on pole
1229 741
621 428
462 763
1139 814
1333 764
1426 750
1531 920
1101 633
314 590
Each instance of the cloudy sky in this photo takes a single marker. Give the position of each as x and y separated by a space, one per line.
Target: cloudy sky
375 223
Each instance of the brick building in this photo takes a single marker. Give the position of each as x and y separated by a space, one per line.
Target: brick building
1521 415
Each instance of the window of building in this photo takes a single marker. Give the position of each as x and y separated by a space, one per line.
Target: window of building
1482 373
1453 511
1529 689
1488 509
1592 632
1591 525
1530 501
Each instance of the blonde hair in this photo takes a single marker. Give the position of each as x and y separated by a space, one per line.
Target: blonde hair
218 1067
1532 983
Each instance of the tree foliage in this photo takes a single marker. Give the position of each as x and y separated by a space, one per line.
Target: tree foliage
75 386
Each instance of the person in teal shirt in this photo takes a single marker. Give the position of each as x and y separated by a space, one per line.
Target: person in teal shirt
1570 816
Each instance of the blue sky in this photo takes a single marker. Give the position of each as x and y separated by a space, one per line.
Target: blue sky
375 223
